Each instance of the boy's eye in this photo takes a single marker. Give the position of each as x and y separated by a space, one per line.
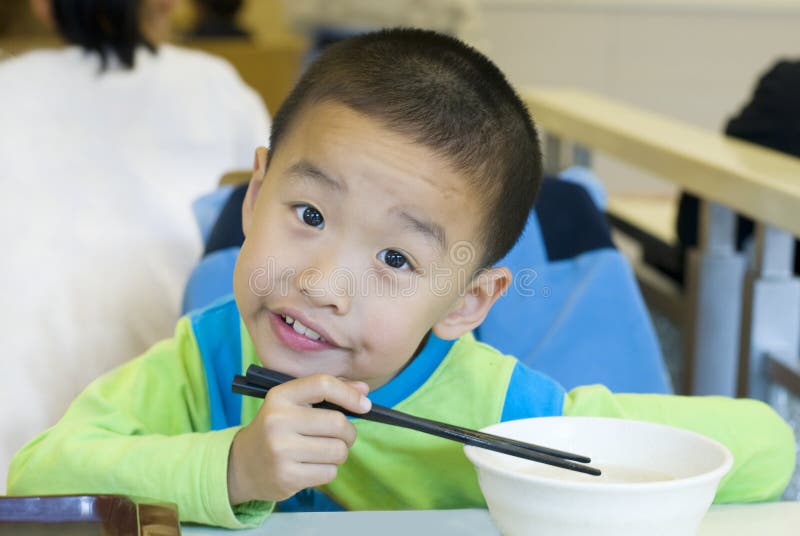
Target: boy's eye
310 216
394 259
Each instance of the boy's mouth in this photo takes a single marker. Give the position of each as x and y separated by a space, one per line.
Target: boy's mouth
301 329
296 335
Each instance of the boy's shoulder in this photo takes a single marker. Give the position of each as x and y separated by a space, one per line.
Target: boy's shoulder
473 365
470 350
487 385
525 392
468 345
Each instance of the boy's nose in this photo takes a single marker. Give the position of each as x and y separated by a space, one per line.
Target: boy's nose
328 285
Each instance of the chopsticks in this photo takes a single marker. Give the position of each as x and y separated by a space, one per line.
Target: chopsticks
259 380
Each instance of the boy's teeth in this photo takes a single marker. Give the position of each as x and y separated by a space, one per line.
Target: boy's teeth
303 330
299 327
311 334
289 319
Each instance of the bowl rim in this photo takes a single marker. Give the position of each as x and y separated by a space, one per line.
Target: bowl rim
478 460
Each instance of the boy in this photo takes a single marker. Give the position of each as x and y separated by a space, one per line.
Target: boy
402 167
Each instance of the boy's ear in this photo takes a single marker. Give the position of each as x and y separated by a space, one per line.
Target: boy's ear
472 308
259 171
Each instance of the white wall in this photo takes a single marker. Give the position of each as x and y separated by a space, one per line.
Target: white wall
694 61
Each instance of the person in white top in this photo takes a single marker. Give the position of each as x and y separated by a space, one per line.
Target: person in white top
103 147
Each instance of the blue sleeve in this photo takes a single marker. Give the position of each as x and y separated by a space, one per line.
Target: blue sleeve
532 394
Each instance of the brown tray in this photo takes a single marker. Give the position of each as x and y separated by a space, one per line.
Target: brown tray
100 515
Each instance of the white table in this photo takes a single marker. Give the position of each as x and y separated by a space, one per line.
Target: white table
768 519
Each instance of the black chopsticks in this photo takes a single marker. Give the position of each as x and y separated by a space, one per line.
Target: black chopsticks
259 380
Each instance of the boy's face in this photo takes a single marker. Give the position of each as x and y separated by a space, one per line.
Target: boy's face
365 237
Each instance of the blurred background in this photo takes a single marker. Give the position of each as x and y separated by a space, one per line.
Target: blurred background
693 60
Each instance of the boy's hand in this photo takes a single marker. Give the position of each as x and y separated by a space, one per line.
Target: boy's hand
291 446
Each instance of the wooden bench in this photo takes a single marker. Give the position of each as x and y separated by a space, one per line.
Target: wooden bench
742 325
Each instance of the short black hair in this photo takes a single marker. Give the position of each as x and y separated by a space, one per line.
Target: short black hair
102 26
444 95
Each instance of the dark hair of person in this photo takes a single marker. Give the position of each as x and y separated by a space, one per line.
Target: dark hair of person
446 96
225 9
107 27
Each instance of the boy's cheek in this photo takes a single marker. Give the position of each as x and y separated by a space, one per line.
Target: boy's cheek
398 329
252 281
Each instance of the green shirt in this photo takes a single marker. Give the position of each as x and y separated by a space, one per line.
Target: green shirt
145 430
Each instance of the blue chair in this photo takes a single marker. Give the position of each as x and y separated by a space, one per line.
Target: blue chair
212 278
573 311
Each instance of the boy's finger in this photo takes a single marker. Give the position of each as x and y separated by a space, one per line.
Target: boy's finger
324 423
321 450
323 388
362 387
311 475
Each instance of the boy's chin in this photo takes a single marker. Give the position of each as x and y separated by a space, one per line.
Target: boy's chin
297 364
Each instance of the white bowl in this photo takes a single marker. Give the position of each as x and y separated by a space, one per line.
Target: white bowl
679 472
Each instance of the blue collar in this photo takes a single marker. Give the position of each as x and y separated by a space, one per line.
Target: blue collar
415 374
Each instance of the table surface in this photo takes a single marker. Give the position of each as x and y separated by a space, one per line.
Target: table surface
773 519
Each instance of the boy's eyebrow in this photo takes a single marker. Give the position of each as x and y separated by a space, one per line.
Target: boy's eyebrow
306 170
429 228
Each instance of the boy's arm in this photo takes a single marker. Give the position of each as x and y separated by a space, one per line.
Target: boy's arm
141 430
762 443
